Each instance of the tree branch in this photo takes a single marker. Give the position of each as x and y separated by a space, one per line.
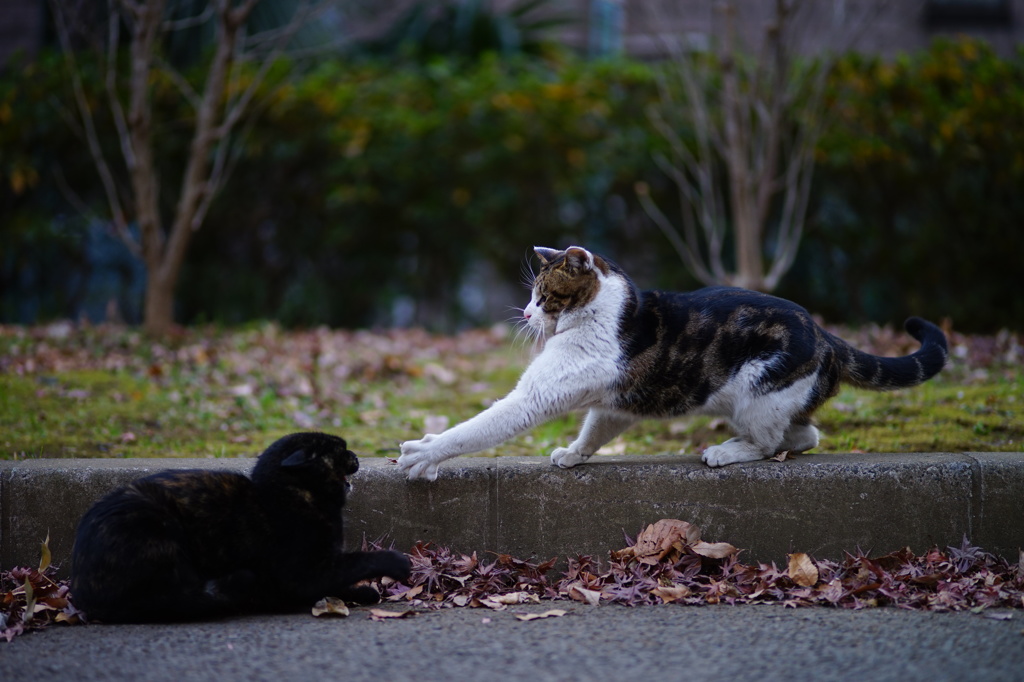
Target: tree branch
99 159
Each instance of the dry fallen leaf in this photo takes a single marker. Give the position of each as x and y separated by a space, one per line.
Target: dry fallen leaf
553 613
44 554
509 599
580 593
330 606
713 550
657 539
409 594
997 615
802 570
382 614
671 592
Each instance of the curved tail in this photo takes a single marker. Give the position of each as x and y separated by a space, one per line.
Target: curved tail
864 370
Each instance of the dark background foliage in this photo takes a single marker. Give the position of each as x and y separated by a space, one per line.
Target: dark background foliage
409 190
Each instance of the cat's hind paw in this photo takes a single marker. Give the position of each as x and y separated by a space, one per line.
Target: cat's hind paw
731 451
418 459
567 458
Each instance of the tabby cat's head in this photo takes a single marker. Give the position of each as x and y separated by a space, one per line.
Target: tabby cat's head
568 283
317 462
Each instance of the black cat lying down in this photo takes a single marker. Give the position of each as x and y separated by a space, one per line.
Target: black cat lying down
187 545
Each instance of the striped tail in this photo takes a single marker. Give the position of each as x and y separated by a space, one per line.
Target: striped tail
864 370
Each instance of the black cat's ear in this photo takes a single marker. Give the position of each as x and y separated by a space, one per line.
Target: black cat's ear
299 458
578 258
546 255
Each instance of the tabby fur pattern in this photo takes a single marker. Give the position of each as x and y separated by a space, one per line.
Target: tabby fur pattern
624 354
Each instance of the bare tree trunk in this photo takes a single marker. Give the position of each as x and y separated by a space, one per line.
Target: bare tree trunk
158 308
755 122
217 113
746 223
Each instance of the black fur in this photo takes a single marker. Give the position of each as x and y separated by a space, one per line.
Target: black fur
187 545
682 347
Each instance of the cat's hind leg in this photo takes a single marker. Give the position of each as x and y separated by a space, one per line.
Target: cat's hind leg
764 421
599 427
799 438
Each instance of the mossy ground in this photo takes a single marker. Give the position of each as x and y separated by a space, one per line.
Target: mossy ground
108 392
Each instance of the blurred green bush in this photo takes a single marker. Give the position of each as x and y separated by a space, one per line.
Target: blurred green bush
921 190
365 189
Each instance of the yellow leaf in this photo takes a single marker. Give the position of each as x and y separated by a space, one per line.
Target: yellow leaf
44 554
30 602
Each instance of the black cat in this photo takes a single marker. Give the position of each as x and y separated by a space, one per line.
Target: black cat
188 545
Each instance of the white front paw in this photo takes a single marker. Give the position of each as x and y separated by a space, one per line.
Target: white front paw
419 458
717 456
567 457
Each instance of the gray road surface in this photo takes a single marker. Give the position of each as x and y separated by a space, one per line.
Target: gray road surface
610 642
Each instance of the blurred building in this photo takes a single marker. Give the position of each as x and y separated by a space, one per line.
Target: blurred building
641 27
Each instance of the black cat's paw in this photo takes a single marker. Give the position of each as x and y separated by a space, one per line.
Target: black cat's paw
395 565
364 594
236 586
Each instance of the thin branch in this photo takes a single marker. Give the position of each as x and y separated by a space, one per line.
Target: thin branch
172 26
110 82
237 109
690 259
180 82
91 137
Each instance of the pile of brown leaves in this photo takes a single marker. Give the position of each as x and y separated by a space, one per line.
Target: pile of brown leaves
31 598
669 563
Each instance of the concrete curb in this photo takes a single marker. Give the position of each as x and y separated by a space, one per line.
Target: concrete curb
819 504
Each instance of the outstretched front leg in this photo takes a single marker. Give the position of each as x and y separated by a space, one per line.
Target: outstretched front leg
599 427
510 416
339 579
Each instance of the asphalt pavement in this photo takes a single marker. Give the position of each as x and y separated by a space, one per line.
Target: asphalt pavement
593 643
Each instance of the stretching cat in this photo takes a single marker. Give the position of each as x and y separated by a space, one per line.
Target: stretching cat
185 545
625 354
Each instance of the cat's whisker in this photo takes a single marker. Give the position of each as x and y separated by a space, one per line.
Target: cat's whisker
527 273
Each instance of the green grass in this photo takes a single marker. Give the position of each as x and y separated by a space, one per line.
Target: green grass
107 392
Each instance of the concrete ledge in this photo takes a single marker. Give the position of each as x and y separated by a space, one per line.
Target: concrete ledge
820 504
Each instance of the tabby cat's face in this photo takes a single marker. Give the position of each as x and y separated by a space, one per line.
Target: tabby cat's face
567 283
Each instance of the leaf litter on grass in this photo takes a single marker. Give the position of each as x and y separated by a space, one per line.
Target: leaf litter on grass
69 390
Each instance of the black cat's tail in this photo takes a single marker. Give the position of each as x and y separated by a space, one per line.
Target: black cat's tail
864 370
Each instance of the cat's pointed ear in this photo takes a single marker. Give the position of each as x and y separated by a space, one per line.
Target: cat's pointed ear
546 255
299 458
578 258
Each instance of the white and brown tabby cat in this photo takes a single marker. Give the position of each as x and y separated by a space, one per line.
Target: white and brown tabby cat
624 354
